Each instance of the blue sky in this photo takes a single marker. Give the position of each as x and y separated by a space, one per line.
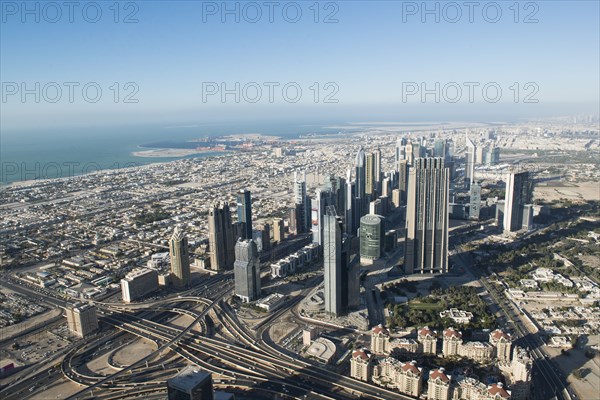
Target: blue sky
367 55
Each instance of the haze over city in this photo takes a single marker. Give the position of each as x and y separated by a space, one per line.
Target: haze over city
299 200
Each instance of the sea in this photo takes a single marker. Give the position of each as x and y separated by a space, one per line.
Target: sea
59 153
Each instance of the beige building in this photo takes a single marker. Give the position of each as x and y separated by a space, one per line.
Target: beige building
410 380
496 391
520 374
402 344
82 319
138 283
503 343
427 340
452 339
379 339
477 351
406 377
278 230
438 385
361 366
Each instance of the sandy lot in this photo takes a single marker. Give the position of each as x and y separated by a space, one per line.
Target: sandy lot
133 352
578 191
587 387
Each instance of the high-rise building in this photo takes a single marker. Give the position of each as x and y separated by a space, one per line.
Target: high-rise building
518 194
244 211
246 270
278 230
190 384
138 283
410 156
469 162
293 224
221 238
474 200
377 169
372 233
439 148
400 150
403 180
332 256
438 385
493 155
360 175
180 259
370 174
301 203
82 319
426 244
349 204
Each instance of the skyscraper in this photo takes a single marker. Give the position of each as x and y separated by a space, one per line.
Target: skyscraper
403 180
301 203
180 259
439 148
244 211
377 170
360 174
518 194
474 200
246 270
220 238
400 151
278 230
469 162
370 174
336 264
426 244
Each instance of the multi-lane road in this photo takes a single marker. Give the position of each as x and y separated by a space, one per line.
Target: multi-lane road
548 381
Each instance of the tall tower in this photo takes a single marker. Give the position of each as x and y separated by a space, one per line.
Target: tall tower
301 203
360 173
246 270
403 180
426 244
377 170
180 259
278 230
335 264
518 194
400 150
470 161
244 211
220 238
349 202
439 148
370 174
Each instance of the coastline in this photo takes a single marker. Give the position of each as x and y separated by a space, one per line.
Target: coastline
166 153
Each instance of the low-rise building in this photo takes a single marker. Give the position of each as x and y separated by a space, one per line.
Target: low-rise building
458 316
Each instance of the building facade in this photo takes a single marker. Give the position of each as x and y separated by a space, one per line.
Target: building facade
246 271
138 283
180 259
82 319
426 243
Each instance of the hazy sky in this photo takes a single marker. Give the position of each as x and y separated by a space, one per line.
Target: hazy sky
372 61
